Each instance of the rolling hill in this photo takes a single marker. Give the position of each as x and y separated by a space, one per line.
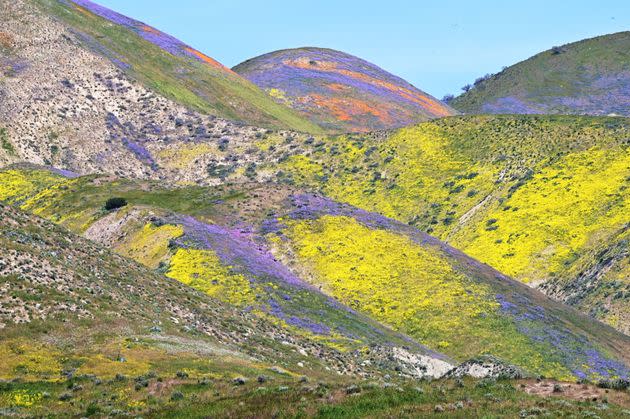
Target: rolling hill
589 77
340 92
79 45
220 261
95 335
452 177
273 250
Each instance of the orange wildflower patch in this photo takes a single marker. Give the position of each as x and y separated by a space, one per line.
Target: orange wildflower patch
6 40
83 10
426 102
214 63
337 87
150 29
347 109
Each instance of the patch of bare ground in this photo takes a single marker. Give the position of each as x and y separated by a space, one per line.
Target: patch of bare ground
575 391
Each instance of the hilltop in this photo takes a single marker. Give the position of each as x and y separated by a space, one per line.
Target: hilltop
98 61
589 77
340 92
277 251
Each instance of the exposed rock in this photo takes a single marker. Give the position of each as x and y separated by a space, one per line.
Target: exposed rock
486 367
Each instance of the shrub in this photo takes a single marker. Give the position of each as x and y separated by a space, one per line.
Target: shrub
617 384
65 397
115 203
178 395
557 50
5 143
620 384
223 144
92 410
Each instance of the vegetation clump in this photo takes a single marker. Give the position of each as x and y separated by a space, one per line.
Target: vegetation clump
115 203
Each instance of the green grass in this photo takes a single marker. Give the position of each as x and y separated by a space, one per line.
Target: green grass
287 399
591 77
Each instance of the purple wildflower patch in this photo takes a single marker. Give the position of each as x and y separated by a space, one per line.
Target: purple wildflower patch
276 310
12 66
576 350
130 138
512 105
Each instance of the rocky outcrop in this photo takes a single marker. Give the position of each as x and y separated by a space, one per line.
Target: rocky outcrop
486 367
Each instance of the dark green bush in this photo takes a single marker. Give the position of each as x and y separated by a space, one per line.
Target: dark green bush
115 203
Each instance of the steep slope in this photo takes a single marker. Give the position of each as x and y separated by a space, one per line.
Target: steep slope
68 102
597 281
590 77
220 240
340 92
73 42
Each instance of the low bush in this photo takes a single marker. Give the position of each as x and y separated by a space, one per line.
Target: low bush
115 203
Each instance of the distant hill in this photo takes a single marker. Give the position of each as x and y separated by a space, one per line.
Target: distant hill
340 92
75 42
590 77
275 249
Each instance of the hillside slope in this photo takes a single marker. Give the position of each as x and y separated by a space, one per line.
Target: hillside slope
340 92
590 77
85 330
69 101
538 198
221 241
76 44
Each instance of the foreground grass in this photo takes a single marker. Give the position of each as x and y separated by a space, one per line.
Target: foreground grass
177 397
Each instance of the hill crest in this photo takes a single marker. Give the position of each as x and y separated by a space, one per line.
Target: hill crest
588 77
339 91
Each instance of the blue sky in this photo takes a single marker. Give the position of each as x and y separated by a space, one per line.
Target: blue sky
438 46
